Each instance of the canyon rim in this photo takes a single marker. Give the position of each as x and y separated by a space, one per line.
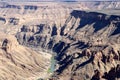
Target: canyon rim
59 40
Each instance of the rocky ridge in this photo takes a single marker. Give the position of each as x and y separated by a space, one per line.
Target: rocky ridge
87 42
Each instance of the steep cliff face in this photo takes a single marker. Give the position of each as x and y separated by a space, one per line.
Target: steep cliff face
51 13
86 43
31 14
86 46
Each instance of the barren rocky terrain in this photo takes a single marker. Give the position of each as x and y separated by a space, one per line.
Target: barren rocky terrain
18 62
84 38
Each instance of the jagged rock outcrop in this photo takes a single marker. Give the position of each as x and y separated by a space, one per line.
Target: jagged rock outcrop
48 11
19 62
87 42
29 13
113 74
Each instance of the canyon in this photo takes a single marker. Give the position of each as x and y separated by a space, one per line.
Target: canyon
83 37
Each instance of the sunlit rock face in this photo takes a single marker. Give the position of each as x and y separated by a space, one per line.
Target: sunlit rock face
19 62
86 43
49 12
13 15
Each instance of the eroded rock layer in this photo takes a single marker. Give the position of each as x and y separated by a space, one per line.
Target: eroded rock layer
87 45
19 62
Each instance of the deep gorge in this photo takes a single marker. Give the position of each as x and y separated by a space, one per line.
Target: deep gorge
84 43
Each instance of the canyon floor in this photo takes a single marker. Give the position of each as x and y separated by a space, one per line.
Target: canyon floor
60 40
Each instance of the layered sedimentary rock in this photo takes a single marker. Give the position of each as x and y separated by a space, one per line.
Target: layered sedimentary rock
86 43
20 13
86 46
19 62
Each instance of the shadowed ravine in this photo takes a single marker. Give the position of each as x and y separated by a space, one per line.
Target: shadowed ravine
85 41
60 40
